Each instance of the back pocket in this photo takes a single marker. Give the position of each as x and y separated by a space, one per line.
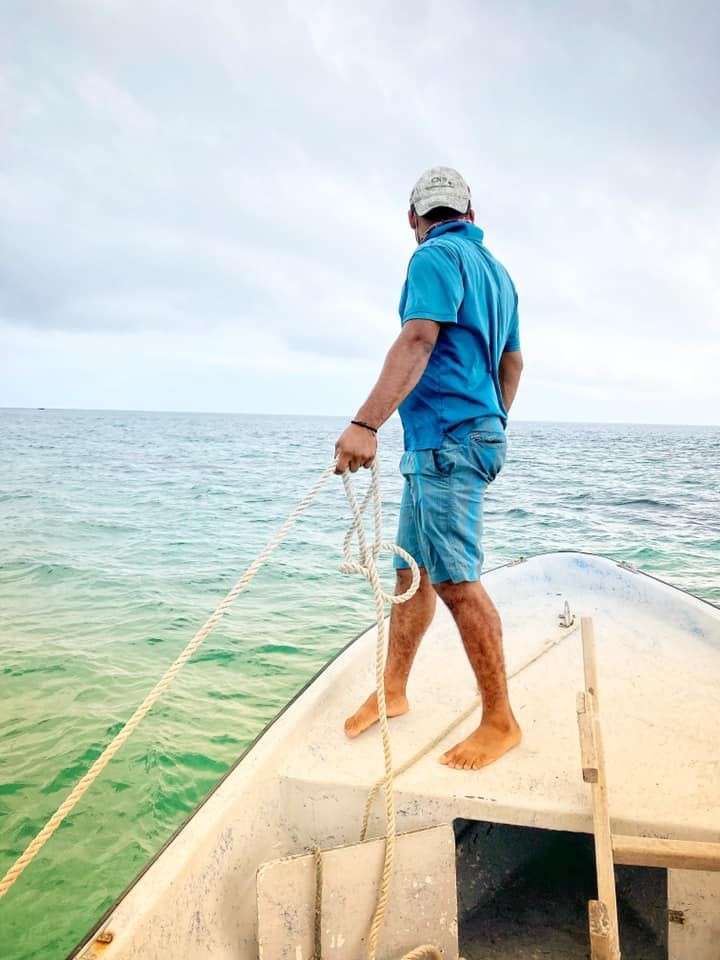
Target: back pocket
486 450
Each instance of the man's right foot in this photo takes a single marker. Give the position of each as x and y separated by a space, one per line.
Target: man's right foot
368 714
485 745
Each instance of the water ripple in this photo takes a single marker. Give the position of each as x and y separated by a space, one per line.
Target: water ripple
122 531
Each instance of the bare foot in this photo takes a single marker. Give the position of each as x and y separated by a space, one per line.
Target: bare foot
487 744
367 715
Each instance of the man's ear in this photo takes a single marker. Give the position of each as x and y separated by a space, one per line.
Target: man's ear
412 218
471 215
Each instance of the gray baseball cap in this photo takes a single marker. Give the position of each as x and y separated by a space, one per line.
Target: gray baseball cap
440 187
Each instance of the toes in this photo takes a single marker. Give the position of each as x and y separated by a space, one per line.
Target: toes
352 727
359 722
457 760
452 759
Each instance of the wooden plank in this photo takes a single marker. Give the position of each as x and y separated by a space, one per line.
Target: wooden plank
693 915
587 629
677 854
601 947
587 722
603 838
601 811
587 741
422 906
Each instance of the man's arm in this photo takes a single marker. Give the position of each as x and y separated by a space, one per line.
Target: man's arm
404 365
511 365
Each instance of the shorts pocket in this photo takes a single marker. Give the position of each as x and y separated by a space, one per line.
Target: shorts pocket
486 450
488 436
444 460
428 463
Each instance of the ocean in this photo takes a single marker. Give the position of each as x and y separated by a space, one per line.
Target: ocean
121 531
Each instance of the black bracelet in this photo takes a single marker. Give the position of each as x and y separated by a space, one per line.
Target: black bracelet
361 423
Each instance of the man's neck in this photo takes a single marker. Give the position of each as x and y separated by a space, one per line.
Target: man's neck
423 234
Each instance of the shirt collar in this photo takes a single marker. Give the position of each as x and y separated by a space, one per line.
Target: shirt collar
454 226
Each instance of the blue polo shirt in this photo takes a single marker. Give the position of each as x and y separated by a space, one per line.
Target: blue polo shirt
454 279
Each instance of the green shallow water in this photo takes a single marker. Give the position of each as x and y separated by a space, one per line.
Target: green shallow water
121 531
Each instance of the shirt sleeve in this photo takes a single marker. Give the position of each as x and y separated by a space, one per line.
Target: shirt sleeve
513 338
434 287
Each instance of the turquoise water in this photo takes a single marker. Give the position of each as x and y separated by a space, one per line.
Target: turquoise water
121 531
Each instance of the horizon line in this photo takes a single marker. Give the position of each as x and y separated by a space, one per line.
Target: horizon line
336 416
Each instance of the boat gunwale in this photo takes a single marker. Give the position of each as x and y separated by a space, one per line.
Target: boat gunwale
622 564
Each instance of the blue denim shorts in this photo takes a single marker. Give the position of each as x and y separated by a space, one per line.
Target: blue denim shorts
441 514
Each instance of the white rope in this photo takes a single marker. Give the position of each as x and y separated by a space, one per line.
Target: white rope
366 566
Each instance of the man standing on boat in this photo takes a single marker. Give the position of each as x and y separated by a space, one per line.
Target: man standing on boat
453 373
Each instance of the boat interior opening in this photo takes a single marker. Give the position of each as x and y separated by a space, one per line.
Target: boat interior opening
523 894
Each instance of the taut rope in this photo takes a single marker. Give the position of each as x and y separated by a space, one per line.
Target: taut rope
82 786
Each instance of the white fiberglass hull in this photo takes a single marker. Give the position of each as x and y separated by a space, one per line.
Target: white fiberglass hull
304 783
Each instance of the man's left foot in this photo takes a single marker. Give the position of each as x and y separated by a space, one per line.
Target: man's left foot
368 714
487 744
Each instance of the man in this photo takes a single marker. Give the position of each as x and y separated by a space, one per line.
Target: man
453 373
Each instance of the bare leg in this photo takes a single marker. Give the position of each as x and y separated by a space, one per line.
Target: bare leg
408 623
481 630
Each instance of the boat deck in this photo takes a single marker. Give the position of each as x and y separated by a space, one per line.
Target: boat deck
303 782
659 692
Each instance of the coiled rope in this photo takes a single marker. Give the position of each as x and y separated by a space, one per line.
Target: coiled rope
367 567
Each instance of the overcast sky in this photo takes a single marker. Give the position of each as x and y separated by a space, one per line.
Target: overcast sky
202 205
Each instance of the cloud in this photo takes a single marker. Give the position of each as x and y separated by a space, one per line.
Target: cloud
186 172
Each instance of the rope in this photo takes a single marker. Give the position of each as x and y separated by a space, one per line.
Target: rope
79 790
366 566
404 767
426 950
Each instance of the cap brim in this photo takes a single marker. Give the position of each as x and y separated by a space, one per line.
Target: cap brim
441 198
